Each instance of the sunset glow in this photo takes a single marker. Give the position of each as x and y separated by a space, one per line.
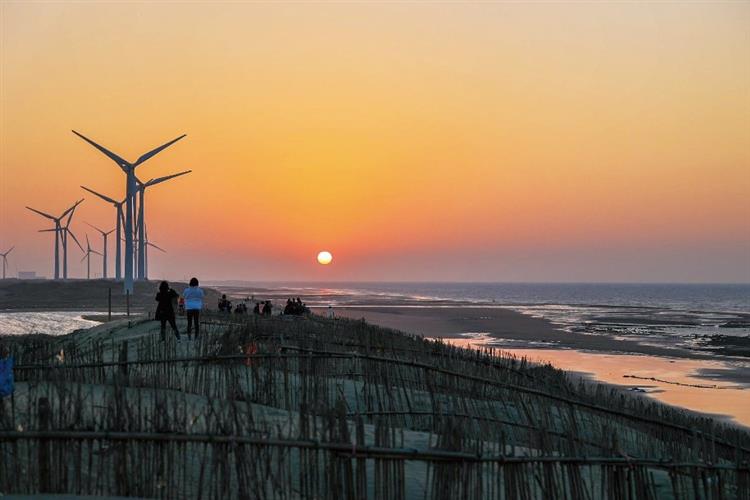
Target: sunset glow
437 141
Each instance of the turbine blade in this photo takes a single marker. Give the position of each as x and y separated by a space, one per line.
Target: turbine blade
105 198
159 180
70 215
158 248
75 239
84 257
6 253
124 165
97 253
46 230
156 151
88 245
95 227
71 209
41 213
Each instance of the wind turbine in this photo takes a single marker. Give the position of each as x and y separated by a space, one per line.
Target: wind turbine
142 247
104 257
5 259
118 228
58 229
149 244
87 257
130 191
64 232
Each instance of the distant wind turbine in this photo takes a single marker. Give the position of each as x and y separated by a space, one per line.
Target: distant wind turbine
130 192
5 259
60 235
118 228
141 224
64 232
87 257
104 245
149 244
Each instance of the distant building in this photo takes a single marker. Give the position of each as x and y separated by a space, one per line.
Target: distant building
27 275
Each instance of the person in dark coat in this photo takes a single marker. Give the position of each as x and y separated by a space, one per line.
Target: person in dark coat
165 310
267 307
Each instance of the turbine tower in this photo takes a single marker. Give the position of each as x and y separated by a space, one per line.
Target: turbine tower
104 257
130 191
87 257
58 229
141 224
118 228
5 259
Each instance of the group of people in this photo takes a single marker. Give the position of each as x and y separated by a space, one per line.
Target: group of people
193 303
296 307
225 306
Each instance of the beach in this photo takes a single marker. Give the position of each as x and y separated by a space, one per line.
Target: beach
700 380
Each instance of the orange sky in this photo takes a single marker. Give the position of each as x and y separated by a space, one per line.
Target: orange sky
415 141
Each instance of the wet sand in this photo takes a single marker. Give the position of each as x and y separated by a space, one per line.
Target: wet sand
677 382
713 385
519 329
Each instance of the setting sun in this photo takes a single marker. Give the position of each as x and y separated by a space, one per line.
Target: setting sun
325 258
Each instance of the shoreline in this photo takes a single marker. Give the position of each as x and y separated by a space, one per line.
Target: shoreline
501 323
597 358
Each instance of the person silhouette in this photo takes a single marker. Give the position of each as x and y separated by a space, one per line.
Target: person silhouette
165 310
193 305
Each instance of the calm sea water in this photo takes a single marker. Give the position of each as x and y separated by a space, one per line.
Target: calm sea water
704 297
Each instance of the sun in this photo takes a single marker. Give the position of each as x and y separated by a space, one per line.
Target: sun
325 258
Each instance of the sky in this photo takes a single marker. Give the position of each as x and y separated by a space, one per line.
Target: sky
415 141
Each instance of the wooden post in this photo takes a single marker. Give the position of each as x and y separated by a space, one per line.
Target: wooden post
44 413
109 304
124 361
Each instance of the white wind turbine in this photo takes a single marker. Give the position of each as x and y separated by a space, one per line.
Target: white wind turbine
130 192
5 259
61 233
142 273
104 245
87 257
64 232
149 244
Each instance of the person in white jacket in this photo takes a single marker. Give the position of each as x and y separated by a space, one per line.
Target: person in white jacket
193 304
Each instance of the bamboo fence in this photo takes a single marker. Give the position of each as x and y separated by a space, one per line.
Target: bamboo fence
318 408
